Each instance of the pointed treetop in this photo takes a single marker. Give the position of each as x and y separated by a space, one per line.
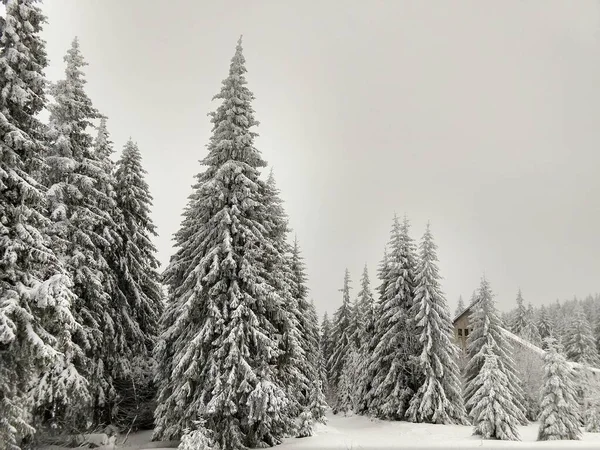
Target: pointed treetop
103 144
238 60
271 178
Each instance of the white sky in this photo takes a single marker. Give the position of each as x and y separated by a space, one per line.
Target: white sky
478 116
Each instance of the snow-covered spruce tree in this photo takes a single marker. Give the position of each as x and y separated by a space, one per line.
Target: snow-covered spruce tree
345 387
439 399
326 347
367 370
307 322
365 333
559 418
219 347
341 337
545 325
519 316
141 281
597 334
392 363
138 281
36 323
85 233
460 307
487 337
579 341
474 297
493 411
363 313
292 364
317 402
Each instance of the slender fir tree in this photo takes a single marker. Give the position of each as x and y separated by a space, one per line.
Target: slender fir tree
545 325
285 272
439 398
218 353
579 341
308 324
559 418
391 365
460 307
364 313
136 267
36 324
326 347
341 337
487 338
519 316
140 281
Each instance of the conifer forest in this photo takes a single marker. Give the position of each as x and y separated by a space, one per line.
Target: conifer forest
225 346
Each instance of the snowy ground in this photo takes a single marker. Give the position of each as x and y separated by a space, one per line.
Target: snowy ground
357 432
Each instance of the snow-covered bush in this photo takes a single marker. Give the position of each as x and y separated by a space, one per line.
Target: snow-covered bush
199 438
306 424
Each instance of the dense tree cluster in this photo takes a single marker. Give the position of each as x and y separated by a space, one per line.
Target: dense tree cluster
79 290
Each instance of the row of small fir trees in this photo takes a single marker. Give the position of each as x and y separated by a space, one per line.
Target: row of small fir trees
395 359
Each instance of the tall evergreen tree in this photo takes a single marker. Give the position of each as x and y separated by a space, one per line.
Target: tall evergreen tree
136 268
364 313
391 363
326 347
307 320
85 232
580 345
579 341
36 323
341 337
487 339
559 418
218 352
460 307
439 398
285 272
519 316
140 278
545 325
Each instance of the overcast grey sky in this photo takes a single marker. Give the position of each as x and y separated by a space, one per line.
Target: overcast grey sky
481 117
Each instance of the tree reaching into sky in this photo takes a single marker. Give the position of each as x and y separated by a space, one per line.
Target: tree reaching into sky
559 418
341 337
36 323
545 324
365 319
391 363
325 347
519 318
285 272
85 231
460 307
312 396
579 341
140 278
487 338
217 356
439 398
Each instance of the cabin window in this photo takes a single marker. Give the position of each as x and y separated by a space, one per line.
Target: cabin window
460 332
466 332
